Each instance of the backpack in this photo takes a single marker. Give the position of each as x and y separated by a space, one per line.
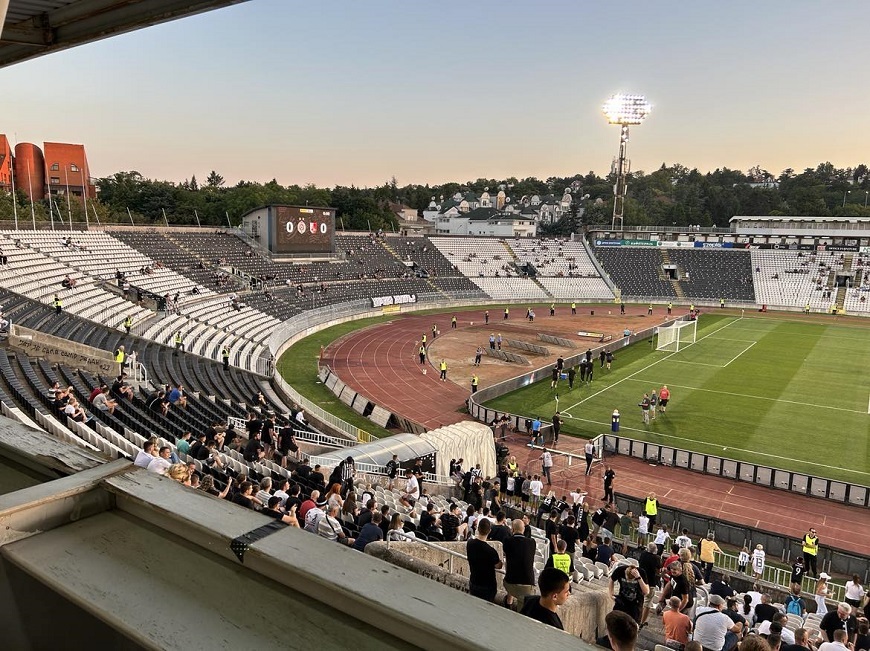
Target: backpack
794 606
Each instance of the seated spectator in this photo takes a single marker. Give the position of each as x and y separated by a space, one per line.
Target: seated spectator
265 492
120 389
721 587
161 463
274 510
176 397
207 485
713 628
330 528
180 473
765 611
370 532
451 527
74 410
146 454
102 401
840 642
244 495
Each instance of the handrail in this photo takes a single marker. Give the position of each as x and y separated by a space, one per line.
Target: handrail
779 576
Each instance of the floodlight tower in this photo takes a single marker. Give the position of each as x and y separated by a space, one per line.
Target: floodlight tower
624 110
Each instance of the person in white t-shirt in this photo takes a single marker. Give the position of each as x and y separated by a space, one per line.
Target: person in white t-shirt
839 643
535 488
683 540
160 464
412 489
642 528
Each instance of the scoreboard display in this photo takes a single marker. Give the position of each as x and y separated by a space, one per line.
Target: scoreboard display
303 229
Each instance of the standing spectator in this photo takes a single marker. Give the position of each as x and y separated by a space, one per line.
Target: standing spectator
562 560
664 397
651 508
797 572
662 538
519 558
855 592
644 405
633 589
392 469
483 561
589 451
811 551
547 464
743 560
841 619
758 561
706 553
557 425
650 562
225 356
609 474
555 589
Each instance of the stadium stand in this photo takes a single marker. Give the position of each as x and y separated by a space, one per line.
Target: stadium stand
795 278
636 271
714 274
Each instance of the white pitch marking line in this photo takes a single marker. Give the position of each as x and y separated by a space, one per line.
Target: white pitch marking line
686 361
740 353
745 395
649 366
696 442
868 405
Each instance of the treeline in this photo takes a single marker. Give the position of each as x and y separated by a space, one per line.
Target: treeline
671 195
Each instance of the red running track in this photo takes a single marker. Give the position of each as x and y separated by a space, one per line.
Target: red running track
381 363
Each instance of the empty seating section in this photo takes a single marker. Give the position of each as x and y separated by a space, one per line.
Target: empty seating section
795 278
714 274
636 271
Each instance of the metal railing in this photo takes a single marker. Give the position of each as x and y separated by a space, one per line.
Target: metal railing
709 464
778 576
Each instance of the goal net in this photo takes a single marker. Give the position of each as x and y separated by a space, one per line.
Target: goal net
676 337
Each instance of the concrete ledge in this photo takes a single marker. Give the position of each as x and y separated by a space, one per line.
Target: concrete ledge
583 614
401 603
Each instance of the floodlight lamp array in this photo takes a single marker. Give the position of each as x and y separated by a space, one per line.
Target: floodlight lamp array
626 109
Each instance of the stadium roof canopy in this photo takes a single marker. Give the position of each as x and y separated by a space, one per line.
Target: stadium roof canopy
32 28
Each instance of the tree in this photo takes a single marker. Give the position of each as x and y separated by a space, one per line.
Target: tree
214 180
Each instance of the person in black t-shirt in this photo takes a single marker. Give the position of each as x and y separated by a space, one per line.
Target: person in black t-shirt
765 611
244 495
451 527
633 588
555 589
500 531
842 618
483 561
568 532
519 558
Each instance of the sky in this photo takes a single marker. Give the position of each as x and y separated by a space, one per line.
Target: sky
355 93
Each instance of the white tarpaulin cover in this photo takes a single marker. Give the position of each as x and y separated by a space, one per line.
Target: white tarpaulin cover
468 440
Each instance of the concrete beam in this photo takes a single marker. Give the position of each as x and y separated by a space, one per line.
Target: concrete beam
86 21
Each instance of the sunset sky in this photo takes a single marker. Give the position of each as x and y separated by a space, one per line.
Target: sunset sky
357 92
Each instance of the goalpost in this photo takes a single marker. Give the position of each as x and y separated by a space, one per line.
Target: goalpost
676 337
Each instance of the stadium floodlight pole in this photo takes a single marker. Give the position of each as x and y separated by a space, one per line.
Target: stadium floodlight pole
624 110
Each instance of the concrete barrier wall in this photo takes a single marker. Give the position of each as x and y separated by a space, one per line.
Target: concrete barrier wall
62 351
582 615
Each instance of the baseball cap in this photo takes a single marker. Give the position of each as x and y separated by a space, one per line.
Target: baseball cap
715 600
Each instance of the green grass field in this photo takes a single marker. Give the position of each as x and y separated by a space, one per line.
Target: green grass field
777 392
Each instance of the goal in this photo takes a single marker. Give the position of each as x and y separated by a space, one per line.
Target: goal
676 337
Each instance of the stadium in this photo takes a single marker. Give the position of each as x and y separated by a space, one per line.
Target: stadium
284 434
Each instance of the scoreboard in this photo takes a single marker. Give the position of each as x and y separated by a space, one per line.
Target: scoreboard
303 229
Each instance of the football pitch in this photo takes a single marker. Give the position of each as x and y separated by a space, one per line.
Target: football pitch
777 392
